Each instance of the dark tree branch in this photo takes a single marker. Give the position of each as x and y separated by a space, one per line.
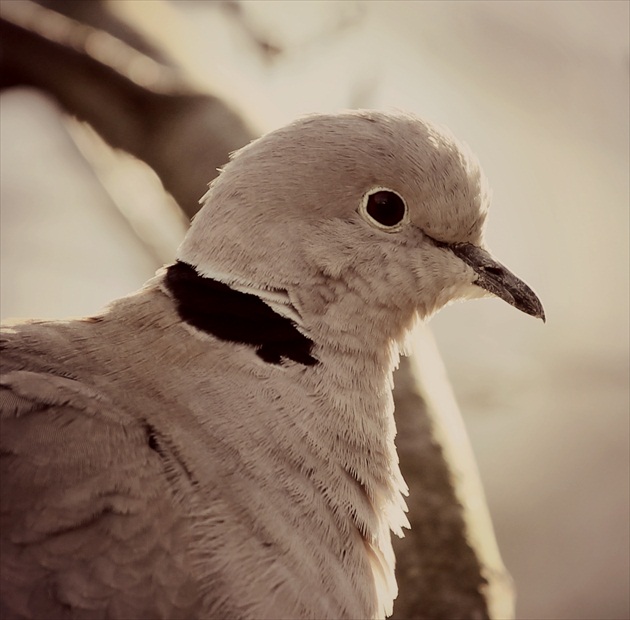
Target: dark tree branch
135 103
439 573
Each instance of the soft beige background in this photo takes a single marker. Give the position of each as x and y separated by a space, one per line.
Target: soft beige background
540 91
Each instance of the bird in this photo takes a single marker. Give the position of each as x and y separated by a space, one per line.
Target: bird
220 443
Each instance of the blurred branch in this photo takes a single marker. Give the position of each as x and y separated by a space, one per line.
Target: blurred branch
448 564
134 102
138 101
435 555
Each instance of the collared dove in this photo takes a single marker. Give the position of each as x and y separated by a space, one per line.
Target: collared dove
220 444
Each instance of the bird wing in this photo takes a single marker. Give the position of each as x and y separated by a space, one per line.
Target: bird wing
89 524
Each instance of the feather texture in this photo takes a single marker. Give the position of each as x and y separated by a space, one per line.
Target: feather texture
220 444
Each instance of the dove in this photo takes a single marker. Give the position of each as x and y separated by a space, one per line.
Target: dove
220 443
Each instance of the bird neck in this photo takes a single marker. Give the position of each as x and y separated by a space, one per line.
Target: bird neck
326 321
343 361
348 319
351 356
237 316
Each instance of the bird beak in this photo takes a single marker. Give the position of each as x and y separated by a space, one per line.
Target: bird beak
496 279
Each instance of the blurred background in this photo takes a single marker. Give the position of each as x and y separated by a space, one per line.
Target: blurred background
540 92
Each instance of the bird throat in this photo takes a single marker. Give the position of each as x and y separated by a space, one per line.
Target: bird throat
216 308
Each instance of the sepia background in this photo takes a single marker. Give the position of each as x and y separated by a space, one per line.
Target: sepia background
540 92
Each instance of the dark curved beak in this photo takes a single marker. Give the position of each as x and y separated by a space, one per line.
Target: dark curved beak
496 279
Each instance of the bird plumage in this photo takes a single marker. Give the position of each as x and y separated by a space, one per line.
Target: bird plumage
161 461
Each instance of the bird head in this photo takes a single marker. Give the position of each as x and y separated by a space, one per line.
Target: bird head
385 205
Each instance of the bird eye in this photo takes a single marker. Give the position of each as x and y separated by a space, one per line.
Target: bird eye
384 208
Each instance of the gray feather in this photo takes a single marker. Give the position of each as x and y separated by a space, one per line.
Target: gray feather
168 459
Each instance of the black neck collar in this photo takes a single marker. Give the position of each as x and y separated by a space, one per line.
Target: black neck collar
217 309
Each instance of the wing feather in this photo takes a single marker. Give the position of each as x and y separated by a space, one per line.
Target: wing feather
86 508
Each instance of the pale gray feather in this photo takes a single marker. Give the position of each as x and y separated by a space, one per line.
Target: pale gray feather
87 500
155 466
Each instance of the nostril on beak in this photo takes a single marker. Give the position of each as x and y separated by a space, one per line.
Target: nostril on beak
494 271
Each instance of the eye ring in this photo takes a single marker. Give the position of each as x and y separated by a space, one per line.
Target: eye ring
384 209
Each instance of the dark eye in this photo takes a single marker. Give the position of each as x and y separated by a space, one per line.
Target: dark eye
386 208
